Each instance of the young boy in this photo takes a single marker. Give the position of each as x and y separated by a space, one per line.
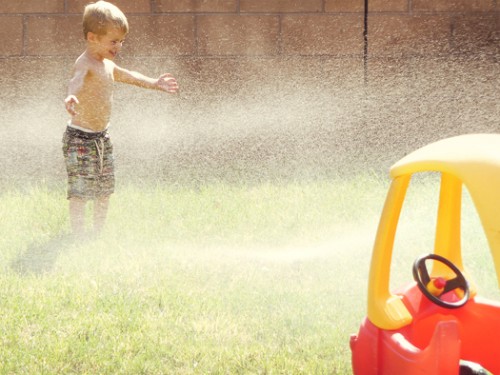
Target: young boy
88 152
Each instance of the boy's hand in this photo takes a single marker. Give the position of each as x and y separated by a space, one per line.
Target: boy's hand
70 102
168 83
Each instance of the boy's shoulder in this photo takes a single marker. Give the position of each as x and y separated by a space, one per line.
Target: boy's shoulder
86 59
82 63
86 63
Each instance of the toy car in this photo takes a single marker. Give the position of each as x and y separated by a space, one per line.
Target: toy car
437 324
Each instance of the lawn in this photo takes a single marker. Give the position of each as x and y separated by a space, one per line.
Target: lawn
265 278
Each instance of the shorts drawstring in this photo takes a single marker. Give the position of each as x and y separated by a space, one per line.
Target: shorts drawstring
100 152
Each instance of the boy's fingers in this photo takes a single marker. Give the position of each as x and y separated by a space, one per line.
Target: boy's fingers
167 77
173 88
72 98
71 110
70 104
168 83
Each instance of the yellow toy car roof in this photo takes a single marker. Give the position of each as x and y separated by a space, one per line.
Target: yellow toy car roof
471 160
475 160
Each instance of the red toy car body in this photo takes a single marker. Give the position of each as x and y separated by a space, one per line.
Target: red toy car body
419 329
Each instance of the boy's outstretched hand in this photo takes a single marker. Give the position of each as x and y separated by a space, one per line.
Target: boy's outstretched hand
168 83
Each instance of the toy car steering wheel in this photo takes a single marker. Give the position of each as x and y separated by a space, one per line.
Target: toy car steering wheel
436 288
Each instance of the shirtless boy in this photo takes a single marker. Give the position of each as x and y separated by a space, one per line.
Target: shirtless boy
88 152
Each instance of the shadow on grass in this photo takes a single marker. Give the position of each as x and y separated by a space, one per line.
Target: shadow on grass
40 258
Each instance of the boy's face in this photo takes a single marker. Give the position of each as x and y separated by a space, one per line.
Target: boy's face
109 45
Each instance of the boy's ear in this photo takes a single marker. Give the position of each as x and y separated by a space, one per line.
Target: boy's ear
91 37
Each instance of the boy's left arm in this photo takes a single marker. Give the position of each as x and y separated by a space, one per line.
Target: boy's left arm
166 82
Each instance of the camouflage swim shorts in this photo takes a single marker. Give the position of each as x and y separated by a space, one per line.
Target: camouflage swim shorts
89 163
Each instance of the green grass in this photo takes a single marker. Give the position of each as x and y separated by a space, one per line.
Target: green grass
218 279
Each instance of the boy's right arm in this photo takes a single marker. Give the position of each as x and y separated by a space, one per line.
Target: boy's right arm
74 87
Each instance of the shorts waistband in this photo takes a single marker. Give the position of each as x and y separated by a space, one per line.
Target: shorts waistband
84 134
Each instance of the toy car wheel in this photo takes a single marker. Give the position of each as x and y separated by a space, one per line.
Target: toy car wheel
436 288
471 368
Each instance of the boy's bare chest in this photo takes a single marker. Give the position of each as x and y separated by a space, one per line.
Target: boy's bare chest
101 77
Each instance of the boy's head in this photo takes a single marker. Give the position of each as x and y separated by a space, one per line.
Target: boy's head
101 16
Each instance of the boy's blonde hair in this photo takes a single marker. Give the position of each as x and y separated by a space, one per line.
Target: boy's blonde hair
100 16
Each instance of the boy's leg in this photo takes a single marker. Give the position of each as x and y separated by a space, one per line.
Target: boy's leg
77 215
101 205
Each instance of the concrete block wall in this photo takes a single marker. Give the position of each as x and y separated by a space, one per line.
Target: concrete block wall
267 86
271 28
